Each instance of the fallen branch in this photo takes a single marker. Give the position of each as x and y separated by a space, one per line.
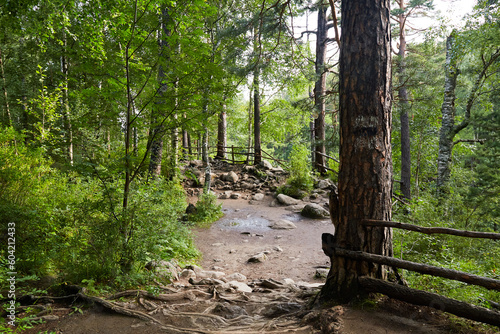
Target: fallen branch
486 282
418 297
431 230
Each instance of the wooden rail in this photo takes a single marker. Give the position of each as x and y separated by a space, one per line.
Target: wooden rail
431 230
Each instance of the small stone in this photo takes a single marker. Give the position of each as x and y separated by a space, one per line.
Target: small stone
225 195
232 251
211 274
236 277
266 164
188 273
50 317
288 281
283 224
278 248
240 286
258 258
218 260
324 184
217 244
258 197
230 177
235 195
321 273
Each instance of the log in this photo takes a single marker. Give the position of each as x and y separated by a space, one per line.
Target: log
431 230
436 301
456 275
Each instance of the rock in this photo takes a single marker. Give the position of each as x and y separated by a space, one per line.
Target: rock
266 164
278 248
258 258
206 281
230 177
50 317
211 274
191 209
313 210
225 195
287 200
188 273
283 224
277 170
258 197
194 268
196 163
240 286
229 311
324 184
236 277
280 309
165 268
288 281
321 273
232 251
295 208
217 244
235 195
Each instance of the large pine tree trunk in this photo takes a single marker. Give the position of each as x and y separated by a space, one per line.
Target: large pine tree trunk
319 90
365 177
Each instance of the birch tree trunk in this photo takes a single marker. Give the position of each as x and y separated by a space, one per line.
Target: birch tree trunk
365 177
319 90
404 107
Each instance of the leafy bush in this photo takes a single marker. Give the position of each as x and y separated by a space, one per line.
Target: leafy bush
207 210
301 180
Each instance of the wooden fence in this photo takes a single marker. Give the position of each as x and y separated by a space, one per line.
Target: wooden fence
419 297
240 155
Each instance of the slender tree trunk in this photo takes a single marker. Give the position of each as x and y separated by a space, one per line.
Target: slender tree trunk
319 90
404 107
446 133
448 127
158 129
222 133
250 113
365 177
256 118
4 88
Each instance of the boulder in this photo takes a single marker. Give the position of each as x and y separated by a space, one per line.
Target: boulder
316 211
321 273
188 273
282 224
287 200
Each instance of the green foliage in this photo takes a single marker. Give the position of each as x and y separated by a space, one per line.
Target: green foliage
207 210
301 179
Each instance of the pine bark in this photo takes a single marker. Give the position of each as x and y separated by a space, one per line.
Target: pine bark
365 177
319 90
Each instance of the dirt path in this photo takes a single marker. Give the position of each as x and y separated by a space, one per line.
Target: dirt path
291 254
244 231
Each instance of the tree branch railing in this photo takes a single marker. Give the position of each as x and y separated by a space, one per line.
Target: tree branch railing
328 157
237 151
431 230
419 297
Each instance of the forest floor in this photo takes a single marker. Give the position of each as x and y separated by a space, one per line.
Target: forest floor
293 257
